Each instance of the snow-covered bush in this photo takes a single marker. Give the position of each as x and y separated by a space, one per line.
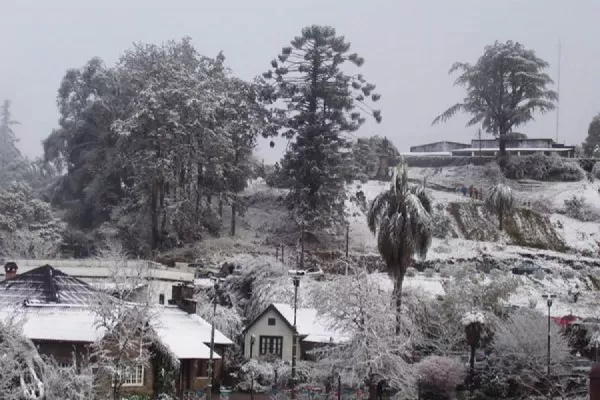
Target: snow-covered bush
411 272
520 349
439 376
596 170
429 272
492 171
67 383
543 168
577 207
267 374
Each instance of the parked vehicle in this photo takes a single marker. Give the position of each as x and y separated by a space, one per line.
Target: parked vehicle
581 366
202 271
313 272
528 267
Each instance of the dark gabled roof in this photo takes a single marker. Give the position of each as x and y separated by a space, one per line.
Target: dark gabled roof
46 285
262 314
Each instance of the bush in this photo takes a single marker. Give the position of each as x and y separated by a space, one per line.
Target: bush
492 171
577 207
596 170
439 376
410 272
543 168
429 272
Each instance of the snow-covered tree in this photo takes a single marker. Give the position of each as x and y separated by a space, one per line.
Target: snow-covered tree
401 219
320 102
28 227
367 156
505 87
591 145
75 382
21 367
9 153
368 349
126 326
520 350
500 199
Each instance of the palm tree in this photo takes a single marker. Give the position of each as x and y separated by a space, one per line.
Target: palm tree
401 219
500 199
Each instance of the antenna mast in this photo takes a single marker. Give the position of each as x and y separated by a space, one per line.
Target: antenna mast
558 92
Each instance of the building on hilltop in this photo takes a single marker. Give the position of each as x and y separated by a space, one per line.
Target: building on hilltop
519 146
59 318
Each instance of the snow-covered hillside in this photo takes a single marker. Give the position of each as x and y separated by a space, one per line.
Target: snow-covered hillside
571 245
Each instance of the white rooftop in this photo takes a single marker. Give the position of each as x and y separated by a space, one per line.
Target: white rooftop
316 328
185 335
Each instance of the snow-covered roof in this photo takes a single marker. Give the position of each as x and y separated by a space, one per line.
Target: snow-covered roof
426 154
316 328
45 285
57 323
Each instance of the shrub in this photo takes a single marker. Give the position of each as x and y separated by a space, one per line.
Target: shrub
577 207
429 272
492 171
568 274
543 168
439 376
410 272
596 170
539 275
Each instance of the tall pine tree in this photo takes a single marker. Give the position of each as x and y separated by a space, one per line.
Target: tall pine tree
321 103
9 153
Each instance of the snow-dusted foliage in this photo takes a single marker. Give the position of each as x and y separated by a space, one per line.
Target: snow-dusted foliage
126 326
68 383
373 351
27 226
501 200
319 103
150 143
591 145
502 72
543 168
439 376
21 368
401 219
472 317
520 349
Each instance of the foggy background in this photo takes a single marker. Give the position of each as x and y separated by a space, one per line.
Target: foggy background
408 46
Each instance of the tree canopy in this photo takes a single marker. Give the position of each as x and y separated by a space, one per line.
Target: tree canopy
591 145
316 103
505 88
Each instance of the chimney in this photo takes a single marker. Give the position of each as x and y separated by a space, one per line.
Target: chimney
10 270
183 297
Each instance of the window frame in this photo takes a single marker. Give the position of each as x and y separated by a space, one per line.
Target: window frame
199 363
268 343
126 375
273 319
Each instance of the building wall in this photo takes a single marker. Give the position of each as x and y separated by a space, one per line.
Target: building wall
261 327
64 352
523 143
437 147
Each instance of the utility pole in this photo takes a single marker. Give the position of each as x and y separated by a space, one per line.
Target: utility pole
212 345
347 239
558 92
301 247
296 280
479 137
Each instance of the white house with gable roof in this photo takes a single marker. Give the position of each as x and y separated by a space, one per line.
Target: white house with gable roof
272 332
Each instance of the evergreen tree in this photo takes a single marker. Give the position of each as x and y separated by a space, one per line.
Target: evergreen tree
10 156
321 104
504 88
591 145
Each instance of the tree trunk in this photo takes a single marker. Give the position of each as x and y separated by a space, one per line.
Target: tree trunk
233 206
502 145
398 300
472 370
154 214
501 218
220 207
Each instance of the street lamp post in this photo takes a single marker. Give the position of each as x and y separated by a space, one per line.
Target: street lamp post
549 298
212 344
296 280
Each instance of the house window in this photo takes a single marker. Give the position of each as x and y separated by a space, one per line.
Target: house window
271 345
65 364
271 321
201 368
133 376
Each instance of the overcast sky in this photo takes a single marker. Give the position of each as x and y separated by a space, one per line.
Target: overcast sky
408 45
